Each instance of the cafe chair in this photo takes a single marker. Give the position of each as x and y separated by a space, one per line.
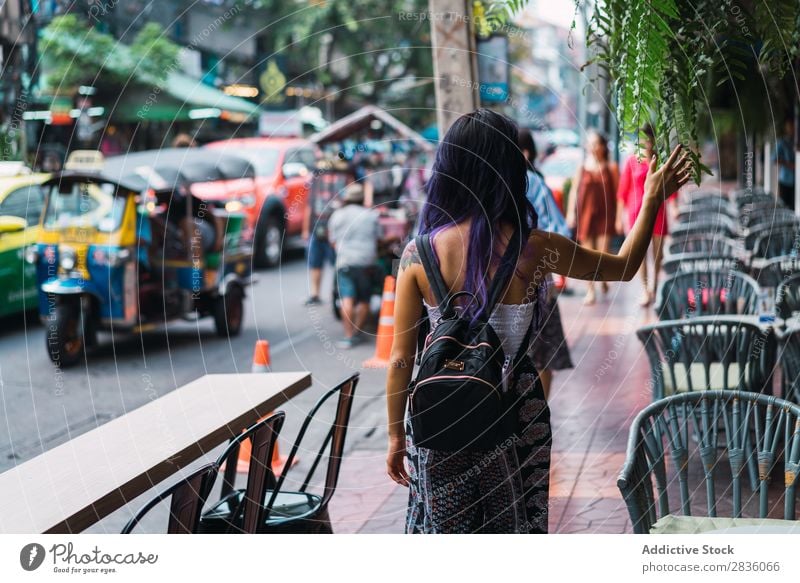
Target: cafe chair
690 262
755 196
707 353
774 270
705 196
242 511
702 293
681 447
787 297
700 211
186 497
711 224
284 510
766 217
789 358
775 241
705 243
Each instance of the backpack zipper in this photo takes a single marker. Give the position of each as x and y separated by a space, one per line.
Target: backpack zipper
465 377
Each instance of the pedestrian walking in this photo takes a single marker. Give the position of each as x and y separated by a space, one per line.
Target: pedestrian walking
630 195
354 232
785 157
479 229
549 348
592 202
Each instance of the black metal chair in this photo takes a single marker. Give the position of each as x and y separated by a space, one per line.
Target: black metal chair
691 262
766 217
707 243
187 497
244 508
787 297
708 353
294 511
703 293
775 270
681 446
705 196
789 358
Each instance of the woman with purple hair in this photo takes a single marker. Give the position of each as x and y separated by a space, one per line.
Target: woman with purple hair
476 202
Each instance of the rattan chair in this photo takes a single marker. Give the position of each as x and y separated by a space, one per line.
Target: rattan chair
776 242
704 293
707 243
789 358
692 262
775 270
787 297
682 446
719 226
708 353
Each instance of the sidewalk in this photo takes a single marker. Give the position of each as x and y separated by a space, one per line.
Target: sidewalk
592 408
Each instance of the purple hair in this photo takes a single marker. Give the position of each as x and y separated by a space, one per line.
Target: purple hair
479 174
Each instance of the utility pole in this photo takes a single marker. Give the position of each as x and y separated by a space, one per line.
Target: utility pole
454 60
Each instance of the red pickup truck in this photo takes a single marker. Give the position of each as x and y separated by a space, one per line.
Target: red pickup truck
283 167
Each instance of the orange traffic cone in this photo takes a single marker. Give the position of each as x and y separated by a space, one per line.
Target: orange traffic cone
383 346
261 363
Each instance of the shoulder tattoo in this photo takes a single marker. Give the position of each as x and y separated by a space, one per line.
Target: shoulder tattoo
410 255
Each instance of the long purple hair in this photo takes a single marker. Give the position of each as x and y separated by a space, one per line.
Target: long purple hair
479 174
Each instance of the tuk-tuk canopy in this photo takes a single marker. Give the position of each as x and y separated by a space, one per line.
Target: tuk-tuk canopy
171 166
361 120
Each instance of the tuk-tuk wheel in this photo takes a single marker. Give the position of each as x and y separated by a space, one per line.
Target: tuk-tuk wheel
229 311
65 335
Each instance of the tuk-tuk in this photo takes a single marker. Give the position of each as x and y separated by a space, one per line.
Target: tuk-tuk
130 253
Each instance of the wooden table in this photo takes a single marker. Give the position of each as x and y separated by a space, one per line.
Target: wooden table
73 485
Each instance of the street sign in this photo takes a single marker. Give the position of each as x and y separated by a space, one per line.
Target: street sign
493 68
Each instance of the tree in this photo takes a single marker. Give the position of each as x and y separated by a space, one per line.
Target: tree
349 49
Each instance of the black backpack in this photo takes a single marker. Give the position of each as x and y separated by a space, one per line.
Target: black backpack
463 397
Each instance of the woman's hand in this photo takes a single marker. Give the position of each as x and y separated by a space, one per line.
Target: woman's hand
395 460
675 172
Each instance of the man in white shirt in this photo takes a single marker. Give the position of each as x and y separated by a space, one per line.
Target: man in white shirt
354 231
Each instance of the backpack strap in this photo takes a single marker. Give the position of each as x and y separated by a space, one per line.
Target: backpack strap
427 255
508 264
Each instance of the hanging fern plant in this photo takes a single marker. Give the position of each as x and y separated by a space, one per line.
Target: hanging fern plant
665 58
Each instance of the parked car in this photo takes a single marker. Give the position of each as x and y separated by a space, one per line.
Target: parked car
21 202
283 170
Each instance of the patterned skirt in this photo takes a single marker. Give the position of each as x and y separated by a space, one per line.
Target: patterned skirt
549 348
504 490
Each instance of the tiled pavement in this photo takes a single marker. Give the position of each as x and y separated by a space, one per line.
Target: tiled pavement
592 408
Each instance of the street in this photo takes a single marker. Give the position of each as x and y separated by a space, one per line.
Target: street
44 406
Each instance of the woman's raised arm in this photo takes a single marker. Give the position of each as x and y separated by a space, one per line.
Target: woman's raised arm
565 257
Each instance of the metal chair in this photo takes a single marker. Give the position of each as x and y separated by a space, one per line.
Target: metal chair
767 216
697 437
702 244
708 353
186 501
287 511
702 293
773 271
691 262
789 359
766 230
787 297
245 508
705 196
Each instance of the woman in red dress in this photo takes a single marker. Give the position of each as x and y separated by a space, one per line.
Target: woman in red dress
592 206
629 198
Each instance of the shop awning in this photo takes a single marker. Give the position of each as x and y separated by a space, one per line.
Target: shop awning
181 98
360 120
